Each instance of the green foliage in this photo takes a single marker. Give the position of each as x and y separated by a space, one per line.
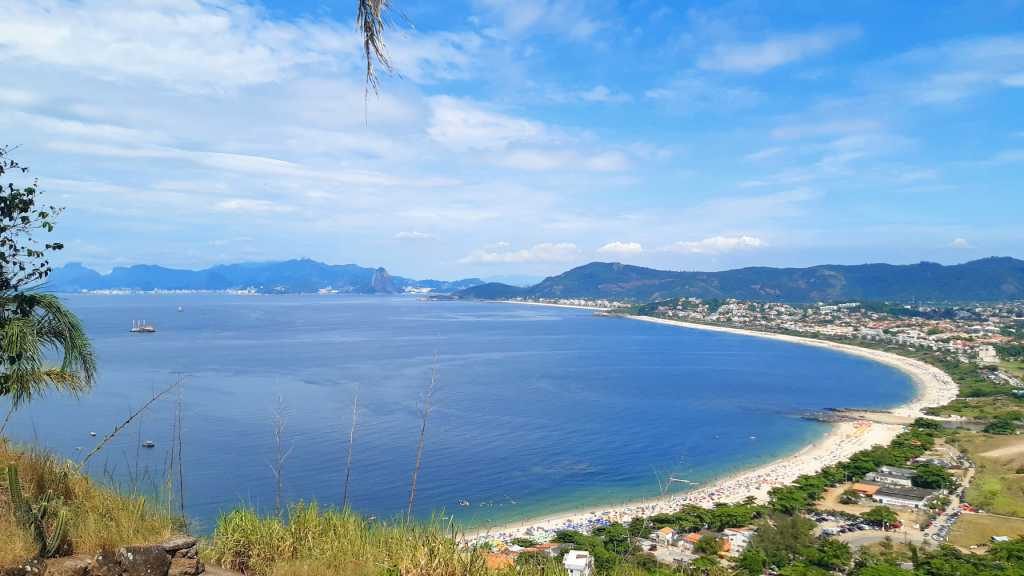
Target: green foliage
831 555
783 540
1005 424
692 518
23 259
33 324
707 545
752 562
849 496
801 569
882 570
932 476
808 489
46 518
880 516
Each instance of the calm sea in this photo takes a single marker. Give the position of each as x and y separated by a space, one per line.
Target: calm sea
537 409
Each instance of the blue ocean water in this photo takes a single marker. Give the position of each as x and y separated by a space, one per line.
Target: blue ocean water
537 409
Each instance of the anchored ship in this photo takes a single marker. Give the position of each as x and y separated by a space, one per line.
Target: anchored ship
142 327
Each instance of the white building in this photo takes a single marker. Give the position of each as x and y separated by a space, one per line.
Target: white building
666 536
902 496
738 539
578 563
891 476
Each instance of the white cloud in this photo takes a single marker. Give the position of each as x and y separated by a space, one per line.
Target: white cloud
565 18
960 243
252 206
716 245
535 159
950 72
465 125
773 52
598 94
607 162
691 92
1012 156
15 97
414 235
764 154
545 252
207 47
622 248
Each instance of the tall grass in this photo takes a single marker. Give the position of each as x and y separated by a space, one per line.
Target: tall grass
314 541
100 518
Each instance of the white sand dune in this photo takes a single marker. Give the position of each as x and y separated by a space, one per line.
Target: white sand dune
934 387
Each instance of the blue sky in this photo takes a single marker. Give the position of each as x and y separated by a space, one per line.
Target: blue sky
523 137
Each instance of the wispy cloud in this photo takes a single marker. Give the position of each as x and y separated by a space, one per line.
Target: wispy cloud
415 235
503 254
715 245
775 51
621 248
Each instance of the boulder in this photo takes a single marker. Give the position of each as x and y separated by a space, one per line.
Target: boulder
106 564
144 561
69 566
185 567
181 547
132 561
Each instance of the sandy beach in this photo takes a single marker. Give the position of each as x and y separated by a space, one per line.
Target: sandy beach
934 388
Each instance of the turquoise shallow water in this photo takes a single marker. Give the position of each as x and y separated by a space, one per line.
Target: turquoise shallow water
538 409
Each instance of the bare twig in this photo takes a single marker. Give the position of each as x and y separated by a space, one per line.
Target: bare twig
181 469
7 418
351 440
280 455
425 407
117 429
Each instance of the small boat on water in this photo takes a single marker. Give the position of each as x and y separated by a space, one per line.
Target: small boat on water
464 503
149 444
142 327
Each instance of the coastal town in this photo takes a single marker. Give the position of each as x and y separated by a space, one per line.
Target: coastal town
931 499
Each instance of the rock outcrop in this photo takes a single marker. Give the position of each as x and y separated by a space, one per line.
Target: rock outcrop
178 556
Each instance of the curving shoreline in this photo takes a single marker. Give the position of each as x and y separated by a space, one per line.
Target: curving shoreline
934 388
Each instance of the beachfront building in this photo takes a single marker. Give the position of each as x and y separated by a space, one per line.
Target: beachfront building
891 476
665 537
689 540
578 563
865 489
903 496
737 539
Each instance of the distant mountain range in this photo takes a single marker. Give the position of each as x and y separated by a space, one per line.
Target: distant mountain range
987 279
291 276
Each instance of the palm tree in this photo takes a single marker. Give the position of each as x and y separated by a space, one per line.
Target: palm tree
33 326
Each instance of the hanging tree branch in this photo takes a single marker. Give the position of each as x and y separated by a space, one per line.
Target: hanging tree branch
117 429
370 21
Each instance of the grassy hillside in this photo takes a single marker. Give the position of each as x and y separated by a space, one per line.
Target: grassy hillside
99 518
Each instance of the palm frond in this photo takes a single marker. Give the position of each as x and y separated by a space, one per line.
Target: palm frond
32 325
370 20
